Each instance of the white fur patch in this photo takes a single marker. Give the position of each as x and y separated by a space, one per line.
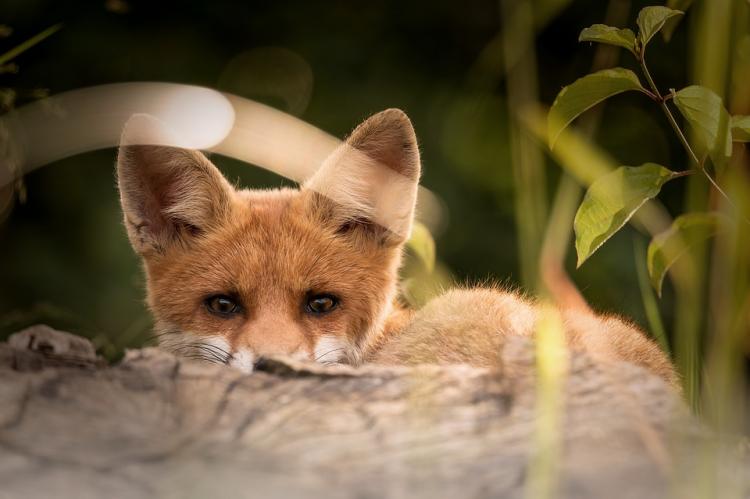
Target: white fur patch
220 344
329 348
243 359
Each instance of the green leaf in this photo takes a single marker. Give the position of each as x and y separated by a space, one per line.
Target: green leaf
741 128
651 20
612 200
666 248
422 245
585 93
703 109
601 33
671 25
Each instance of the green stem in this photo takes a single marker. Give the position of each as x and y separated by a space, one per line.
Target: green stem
670 116
678 130
683 173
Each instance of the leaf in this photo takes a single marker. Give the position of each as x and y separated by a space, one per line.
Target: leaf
601 33
671 25
666 248
585 93
704 110
423 246
651 20
741 128
612 200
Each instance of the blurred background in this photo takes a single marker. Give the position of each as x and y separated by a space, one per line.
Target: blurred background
459 69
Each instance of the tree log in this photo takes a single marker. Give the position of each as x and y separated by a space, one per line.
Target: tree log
158 426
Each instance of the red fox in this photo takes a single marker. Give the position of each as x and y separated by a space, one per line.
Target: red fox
234 275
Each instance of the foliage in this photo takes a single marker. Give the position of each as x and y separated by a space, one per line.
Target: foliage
667 247
612 200
678 248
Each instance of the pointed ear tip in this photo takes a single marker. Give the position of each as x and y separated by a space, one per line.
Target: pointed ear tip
395 115
393 122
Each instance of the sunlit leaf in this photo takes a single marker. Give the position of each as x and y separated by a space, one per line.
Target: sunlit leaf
651 20
423 246
601 33
612 200
585 93
666 248
705 112
741 128
671 25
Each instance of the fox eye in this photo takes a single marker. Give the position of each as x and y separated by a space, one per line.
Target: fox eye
321 304
222 305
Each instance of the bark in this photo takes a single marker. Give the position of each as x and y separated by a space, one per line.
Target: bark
157 426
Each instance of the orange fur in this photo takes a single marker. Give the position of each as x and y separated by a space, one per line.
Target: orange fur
271 250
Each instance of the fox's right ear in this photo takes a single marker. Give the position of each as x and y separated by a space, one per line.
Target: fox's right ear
168 195
372 177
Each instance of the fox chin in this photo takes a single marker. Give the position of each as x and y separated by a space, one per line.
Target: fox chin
234 275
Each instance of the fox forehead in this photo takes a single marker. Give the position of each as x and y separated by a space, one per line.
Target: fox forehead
267 203
270 243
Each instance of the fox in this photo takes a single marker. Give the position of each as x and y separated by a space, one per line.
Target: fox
236 275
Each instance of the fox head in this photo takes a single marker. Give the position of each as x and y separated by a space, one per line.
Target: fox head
233 275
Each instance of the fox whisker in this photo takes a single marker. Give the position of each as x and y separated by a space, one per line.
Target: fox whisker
202 350
211 349
317 359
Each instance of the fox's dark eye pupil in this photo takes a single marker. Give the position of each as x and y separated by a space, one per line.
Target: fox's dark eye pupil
321 304
222 305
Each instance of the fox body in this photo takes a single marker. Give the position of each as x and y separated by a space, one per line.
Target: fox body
234 275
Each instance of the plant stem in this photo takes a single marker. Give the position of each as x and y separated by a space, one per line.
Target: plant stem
670 116
678 130
683 173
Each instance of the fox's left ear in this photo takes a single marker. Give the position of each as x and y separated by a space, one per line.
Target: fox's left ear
371 180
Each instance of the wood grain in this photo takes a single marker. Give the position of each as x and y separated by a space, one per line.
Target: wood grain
157 426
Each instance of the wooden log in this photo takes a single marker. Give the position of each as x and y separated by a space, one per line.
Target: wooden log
157 426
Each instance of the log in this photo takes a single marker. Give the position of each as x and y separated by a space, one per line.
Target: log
154 425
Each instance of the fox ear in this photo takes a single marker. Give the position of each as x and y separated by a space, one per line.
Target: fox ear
372 178
168 195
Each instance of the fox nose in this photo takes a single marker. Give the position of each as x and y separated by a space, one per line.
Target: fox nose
257 363
261 363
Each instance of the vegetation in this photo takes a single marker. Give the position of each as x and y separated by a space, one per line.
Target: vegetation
613 199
